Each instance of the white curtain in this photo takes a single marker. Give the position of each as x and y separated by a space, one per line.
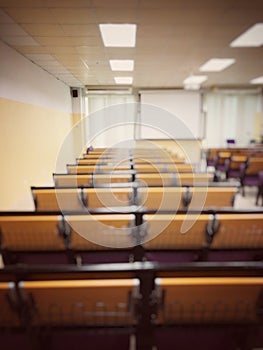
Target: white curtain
232 115
111 120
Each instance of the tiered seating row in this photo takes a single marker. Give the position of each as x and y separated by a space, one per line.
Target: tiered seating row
155 198
242 164
121 236
140 300
122 220
149 179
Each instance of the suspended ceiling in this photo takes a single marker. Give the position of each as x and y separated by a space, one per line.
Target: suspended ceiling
174 38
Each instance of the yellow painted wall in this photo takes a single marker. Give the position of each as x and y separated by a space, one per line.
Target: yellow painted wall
30 139
79 136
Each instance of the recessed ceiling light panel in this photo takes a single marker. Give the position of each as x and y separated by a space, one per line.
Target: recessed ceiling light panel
123 80
258 80
195 79
253 37
122 65
217 64
118 35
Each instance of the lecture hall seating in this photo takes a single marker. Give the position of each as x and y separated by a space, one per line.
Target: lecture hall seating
218 303
153 303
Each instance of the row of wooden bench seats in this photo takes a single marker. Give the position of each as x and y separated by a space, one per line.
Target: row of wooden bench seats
244 167
140 168
149 179
141 299
128 161
133 153
212 153
163 236
156 198
238 166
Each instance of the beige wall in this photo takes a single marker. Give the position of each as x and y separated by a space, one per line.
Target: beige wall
79 138
30 140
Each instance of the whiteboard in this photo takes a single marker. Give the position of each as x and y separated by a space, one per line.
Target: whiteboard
166 114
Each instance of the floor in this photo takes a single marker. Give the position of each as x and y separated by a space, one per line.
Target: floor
248 201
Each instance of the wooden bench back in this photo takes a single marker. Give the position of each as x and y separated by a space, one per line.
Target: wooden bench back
173 232
85 180
174 198
72 180
80 302
108 197
239 231
99 179
159 168
209 300
153 160
255 165
76 199
169 179
30 233
90 169
212 197
236 161
99 232
164 198
56 199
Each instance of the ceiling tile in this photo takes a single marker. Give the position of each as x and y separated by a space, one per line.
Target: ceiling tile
30 49
174 37
4 18
20 41
61 49
80 30
39 57
115 3
116 15
31 15
73 15
24 3
98 50
68 3
67 41
11 30
43 29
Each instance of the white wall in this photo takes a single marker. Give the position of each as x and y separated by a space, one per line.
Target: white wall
23 81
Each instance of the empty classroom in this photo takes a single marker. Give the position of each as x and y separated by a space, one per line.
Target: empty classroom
131 207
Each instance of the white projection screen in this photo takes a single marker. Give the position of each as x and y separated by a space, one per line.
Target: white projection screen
170 114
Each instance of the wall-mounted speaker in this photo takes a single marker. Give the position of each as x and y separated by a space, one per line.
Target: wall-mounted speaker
75 93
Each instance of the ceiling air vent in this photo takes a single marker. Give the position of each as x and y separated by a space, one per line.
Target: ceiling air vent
108 90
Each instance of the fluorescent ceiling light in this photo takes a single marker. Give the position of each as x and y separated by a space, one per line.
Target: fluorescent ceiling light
118 35
195 79
123 80
122 65
216 64
258 80
191 86
193 82
252 37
